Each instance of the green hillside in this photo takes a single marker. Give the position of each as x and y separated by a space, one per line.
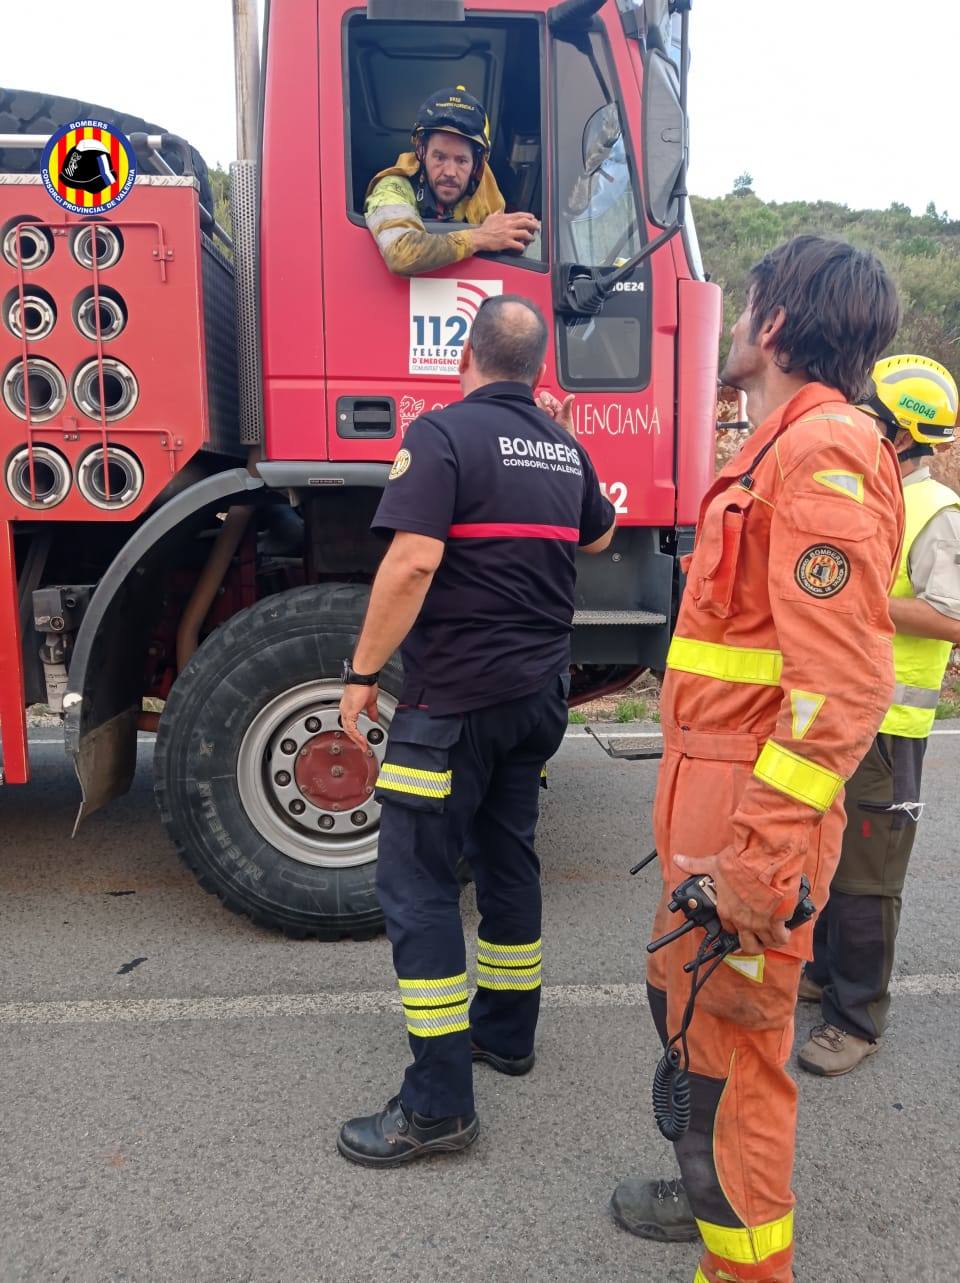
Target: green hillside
923 254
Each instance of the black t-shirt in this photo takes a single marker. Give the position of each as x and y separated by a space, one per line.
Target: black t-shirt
511 494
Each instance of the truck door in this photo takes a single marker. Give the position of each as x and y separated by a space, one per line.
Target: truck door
619 362
392 344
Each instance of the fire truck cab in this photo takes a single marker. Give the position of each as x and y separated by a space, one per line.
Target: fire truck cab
232 594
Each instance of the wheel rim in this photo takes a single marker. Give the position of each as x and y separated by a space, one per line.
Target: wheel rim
304 786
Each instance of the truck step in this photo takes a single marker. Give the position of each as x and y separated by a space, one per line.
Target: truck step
627 748
643 618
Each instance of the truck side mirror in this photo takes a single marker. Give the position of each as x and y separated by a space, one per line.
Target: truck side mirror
657 21
665 138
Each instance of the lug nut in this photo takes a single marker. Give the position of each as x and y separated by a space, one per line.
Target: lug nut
375 736
358 818
326 821
297 807
288 746
282 778
312 724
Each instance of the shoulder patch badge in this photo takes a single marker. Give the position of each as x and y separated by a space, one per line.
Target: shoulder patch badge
401 464
822 570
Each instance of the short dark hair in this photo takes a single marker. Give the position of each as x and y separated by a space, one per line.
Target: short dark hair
509 344
840 307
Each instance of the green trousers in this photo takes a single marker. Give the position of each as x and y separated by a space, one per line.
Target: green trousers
855 936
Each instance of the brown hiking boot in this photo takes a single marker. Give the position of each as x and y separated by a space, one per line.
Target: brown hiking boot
809 990
831 1052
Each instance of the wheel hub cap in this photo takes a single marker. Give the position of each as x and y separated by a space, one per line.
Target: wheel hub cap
305 785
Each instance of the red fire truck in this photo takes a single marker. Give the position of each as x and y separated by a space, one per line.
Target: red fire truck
194 432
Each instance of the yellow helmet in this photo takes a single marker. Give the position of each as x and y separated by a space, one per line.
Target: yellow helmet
917 394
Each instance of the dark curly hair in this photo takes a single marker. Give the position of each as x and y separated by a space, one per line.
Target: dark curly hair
841 310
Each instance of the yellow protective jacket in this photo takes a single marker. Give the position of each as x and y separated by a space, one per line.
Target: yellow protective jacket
919 662
395 223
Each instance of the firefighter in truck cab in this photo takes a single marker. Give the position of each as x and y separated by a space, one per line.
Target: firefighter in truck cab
446 179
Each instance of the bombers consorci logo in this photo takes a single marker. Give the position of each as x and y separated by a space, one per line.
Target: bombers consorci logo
88 167
822 571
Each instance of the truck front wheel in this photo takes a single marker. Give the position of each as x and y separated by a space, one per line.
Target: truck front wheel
264 796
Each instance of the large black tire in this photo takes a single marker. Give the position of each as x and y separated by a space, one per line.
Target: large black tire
219 755
23 111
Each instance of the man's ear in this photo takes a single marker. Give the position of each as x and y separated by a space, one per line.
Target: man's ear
770 329
466 357
541 375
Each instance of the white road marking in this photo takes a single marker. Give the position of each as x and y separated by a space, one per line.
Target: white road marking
655 735
350 1003
575 733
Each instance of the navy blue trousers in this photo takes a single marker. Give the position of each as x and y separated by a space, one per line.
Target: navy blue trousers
454 787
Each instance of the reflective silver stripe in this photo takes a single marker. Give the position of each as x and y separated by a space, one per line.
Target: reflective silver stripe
403 779
509 977
449 1022
516 956
391 235
910 372
393 214
433 997
916 696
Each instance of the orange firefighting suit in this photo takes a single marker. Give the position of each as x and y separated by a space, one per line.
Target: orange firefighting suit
779 675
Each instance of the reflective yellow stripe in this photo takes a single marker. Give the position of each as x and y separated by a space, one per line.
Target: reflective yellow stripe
508 977
435 1006
798 777
434 993
433 1024
444 982
749 1245
509 952
828 418
439 777
726 663
407 779
700 1277
410 788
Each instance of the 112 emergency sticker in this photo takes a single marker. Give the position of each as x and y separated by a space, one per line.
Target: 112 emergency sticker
441 314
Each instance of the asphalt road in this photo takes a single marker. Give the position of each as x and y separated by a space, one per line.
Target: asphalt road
174 1120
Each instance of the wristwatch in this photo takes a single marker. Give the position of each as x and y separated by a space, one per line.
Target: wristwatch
352 678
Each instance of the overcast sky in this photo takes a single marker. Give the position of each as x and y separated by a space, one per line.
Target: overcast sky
847 100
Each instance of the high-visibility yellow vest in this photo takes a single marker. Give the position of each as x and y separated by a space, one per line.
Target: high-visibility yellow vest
919 662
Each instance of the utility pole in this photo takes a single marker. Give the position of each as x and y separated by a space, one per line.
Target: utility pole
246 56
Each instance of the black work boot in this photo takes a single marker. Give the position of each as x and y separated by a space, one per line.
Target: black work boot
654 1209
393 1136
515 1066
